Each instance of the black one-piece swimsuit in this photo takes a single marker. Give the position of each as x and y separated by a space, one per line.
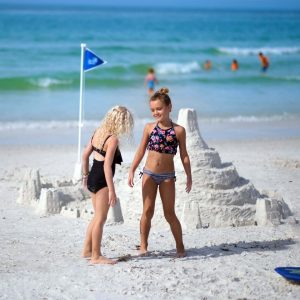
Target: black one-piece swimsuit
96 179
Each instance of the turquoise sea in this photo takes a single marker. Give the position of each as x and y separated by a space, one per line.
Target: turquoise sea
40 63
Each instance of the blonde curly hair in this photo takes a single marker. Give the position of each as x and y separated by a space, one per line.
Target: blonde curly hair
118 121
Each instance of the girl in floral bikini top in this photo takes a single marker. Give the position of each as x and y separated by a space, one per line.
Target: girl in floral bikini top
163 140
158 173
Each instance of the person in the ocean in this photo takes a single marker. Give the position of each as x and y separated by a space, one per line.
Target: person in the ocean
207 65
150 81
99 180
234 65
264 62
161 138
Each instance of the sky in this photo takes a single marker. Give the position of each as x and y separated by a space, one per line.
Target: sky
235 4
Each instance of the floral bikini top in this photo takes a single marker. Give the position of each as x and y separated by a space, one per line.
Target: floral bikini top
163 140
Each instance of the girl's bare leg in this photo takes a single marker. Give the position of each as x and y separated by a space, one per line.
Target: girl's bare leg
101 210
87 245
167 194
149 191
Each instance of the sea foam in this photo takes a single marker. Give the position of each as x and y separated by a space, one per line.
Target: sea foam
177 68
48 82
255 51
139 123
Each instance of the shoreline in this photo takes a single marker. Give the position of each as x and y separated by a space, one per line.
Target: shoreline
66 132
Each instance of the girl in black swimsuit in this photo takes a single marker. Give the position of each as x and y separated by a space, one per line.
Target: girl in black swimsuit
99 181
96 177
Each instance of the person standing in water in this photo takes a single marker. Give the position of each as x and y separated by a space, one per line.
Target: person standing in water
150 81
264 62
207 65
234 65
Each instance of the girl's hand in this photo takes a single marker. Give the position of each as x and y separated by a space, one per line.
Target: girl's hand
189 183
130 178
84 182
112 198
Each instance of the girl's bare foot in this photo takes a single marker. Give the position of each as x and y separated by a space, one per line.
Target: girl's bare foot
180 250
86 254
142 252
181 254
103 260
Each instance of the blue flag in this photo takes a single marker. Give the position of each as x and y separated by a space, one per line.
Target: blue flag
91 60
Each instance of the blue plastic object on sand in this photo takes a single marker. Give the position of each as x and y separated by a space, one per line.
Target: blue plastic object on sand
289 273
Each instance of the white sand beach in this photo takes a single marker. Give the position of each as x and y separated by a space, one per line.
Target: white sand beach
40 256
241 219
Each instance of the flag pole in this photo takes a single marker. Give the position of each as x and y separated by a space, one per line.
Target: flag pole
77 172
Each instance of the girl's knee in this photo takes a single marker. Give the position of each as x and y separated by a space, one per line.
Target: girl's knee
148 213
100 221
170 217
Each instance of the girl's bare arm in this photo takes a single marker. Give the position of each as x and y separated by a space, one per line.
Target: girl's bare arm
112 144
85 162
139 155
185 159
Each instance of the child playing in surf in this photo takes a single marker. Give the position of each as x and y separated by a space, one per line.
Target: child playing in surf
150 81
234 65
264 62
99 181
161 138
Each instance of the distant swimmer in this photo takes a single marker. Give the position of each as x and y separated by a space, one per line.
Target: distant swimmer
264 62
234 65
207 65
150 81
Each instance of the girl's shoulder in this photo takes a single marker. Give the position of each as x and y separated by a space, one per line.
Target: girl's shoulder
178 127
113 139
179 130
150 76
149 127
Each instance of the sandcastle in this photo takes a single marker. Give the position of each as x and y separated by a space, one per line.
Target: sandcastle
60 197
220 197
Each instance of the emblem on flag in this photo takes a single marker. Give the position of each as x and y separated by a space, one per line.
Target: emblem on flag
91 60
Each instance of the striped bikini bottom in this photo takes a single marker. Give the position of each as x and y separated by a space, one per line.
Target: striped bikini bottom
158 178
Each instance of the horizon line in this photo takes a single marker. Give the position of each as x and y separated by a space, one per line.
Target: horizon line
152 8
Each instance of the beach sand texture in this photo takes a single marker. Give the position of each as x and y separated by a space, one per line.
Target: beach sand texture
40 256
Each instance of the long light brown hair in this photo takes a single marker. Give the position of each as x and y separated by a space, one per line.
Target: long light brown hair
118 121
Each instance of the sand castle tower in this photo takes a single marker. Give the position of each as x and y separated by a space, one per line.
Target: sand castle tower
61 197
31 187
220 197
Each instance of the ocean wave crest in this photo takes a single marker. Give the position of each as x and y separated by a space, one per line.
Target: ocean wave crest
46 125
177 68
255 51
248 79
291 78
251 119
49 82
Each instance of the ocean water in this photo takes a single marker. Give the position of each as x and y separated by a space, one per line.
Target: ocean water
40 63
